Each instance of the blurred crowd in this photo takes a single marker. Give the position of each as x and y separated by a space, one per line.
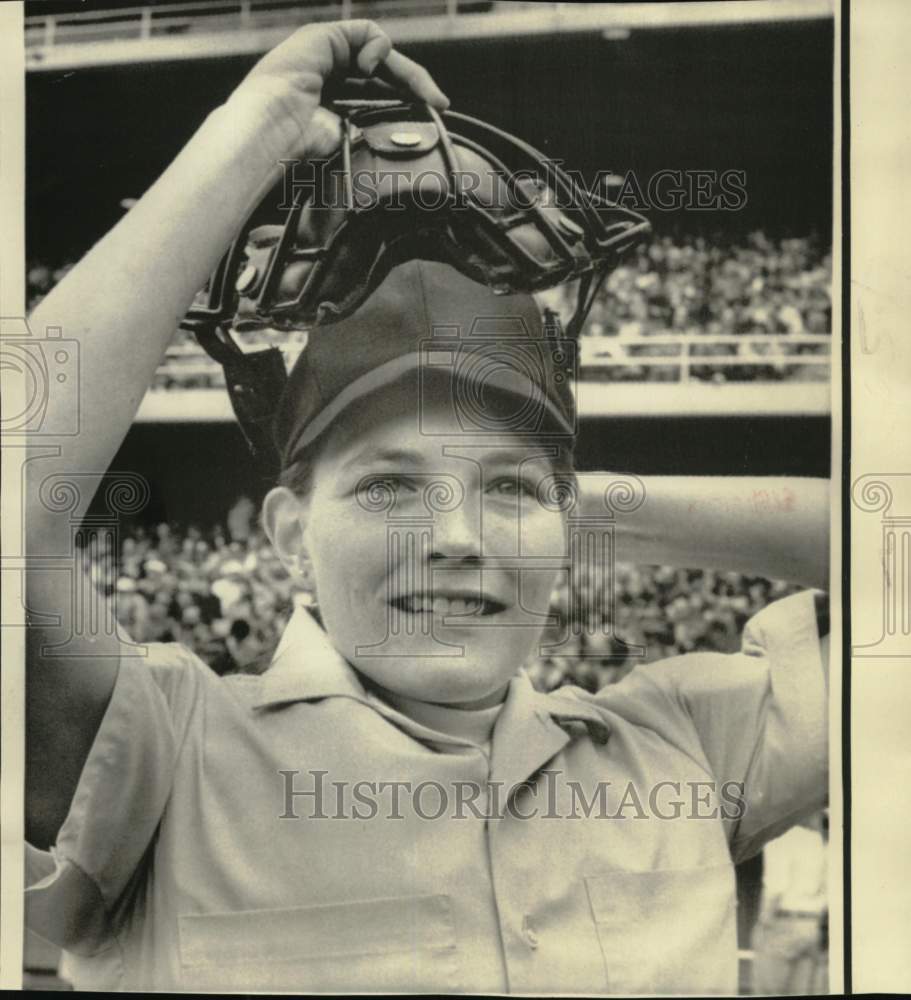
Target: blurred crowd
758 287
224 594
672 285
603 628
40 278
691 284
221 592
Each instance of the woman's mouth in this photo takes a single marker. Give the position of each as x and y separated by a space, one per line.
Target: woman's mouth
447 604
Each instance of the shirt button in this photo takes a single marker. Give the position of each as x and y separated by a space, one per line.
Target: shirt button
529 932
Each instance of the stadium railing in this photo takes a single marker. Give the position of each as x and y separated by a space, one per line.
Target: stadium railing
145 22
688 351
686 358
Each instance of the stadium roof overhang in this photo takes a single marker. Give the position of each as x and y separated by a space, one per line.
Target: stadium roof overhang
181 31
595 400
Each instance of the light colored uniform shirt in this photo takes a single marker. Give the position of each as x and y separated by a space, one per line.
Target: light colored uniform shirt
794 871
174 870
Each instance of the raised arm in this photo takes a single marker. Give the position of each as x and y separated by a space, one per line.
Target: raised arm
762 526
122 303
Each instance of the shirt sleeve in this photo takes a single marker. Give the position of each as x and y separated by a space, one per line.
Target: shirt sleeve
758 718
78 892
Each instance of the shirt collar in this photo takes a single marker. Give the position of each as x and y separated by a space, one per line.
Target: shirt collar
534 726
306 666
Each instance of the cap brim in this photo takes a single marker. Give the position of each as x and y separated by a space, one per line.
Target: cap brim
505 380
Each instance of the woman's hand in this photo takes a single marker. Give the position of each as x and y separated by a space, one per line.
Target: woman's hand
286 85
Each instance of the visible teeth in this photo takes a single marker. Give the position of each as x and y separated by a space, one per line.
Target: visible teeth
420 603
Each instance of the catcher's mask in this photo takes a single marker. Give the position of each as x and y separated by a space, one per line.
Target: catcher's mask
407 183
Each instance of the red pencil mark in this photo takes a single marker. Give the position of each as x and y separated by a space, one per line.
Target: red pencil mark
781 500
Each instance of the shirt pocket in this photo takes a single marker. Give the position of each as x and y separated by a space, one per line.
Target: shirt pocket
667 931
402 944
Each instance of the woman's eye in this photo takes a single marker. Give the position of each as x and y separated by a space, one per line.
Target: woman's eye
379 490
401 484
511 487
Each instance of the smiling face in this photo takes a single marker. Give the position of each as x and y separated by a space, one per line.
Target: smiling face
420 540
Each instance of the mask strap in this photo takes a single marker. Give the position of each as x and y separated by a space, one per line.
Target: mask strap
589 286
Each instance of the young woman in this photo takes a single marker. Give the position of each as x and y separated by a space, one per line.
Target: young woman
391 806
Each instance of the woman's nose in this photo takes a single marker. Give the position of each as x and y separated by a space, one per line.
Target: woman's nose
457 534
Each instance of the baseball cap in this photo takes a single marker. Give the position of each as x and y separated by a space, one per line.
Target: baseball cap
427 317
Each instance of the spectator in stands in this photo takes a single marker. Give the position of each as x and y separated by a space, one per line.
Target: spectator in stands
132 609
243 650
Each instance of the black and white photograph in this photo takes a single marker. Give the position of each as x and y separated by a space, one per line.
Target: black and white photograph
425 446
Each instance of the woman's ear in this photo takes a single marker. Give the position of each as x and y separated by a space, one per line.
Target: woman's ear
284 520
